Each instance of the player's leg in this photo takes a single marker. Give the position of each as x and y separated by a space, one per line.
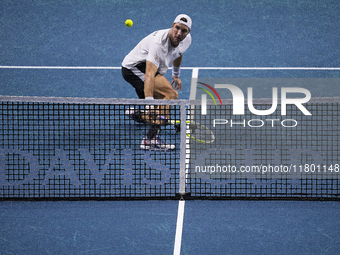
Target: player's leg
135 81
164 90
138 84
136 78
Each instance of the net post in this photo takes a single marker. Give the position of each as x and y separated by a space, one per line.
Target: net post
182 173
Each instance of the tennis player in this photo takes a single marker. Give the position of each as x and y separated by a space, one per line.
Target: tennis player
146 64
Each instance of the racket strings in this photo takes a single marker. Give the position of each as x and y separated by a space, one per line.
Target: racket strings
200 133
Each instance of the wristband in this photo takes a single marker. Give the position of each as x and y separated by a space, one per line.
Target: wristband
149 98
176 71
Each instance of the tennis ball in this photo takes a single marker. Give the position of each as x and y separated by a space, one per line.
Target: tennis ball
128 23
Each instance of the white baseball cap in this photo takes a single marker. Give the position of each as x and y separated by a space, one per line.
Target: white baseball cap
184 19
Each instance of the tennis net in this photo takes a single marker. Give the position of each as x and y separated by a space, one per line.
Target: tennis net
267 157
81 148
64 148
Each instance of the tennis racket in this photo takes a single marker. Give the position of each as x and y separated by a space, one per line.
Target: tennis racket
195 131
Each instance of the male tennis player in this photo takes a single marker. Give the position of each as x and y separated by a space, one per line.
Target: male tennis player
146 64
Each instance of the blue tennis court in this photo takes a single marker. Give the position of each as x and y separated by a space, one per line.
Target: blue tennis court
74 49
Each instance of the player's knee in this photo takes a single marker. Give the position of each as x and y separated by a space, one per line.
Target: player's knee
174 95
171 94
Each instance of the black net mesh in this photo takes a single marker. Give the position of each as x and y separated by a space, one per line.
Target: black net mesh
78 150
267 156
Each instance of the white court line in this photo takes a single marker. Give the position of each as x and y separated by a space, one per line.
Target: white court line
59 67
264 68
190 68
179 228
180 215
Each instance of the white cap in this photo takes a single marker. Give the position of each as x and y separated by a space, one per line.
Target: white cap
184 19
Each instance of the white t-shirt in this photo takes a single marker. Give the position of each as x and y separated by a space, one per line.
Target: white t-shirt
157 49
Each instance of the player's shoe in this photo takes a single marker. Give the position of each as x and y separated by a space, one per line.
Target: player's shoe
130 111
155 144
146 116
136 115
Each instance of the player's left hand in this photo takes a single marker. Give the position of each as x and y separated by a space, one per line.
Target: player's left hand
176 83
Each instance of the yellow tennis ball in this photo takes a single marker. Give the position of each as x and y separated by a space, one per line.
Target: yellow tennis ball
128 23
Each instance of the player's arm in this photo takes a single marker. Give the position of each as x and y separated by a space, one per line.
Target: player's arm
149 83
176 65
